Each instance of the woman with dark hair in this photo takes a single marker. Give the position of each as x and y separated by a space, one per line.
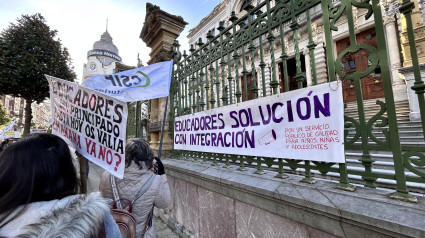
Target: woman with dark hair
139 179
38 193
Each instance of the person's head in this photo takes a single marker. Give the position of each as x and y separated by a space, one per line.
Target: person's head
36 168
138 151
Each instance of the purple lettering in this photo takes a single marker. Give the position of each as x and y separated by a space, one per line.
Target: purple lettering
220 139
265 122
239 133
213 137
248 140
206 138
225 140
246 117
176 125
308 108
251 119
196 124
289 109
202 139
213 122
274 106
234 118
207 122
220 115
202 123
324 109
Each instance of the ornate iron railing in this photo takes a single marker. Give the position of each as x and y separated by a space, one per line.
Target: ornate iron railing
209 78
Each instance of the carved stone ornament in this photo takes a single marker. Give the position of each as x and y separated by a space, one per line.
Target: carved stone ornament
159 31
389 19
157 20
421 4
392 9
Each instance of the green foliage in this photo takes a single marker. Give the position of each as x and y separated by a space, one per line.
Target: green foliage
4 115
28 50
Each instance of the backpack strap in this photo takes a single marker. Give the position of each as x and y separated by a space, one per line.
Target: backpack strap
144 188
115 192
148 222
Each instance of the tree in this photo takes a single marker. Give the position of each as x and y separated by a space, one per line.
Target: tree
4 115
28 50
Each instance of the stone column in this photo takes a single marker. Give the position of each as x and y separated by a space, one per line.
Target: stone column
321 68
407 70
308 67
418 29
421 4
267 74
413 97
159 31
399 85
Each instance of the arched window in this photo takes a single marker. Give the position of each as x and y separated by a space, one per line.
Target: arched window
243 6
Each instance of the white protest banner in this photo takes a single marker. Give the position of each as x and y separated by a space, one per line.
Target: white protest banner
8 127
152 81
305 124
91 122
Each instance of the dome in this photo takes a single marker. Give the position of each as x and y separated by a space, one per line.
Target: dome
104 48
105 43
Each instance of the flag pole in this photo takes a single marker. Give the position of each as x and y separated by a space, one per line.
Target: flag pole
162 130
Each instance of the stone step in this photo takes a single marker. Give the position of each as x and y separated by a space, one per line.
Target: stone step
372 102
417 123
400 129
371 108
403 116
403 138
376 109
376 152
381 157
385 167
403 143
405 128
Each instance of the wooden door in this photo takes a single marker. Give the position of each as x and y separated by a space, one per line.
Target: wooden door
249 86
372 86
292 71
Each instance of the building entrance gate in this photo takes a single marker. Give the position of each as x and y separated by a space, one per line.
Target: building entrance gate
253 45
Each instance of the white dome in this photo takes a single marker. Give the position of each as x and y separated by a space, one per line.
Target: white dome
105 43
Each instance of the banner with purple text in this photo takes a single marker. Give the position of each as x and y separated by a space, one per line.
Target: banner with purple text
305 124
91 122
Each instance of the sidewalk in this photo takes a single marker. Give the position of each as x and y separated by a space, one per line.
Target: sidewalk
163 231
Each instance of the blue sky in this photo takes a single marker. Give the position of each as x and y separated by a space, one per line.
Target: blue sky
81 22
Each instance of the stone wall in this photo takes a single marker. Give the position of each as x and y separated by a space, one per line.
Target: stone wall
211 201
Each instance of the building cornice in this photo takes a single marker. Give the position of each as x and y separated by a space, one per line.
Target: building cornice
213 14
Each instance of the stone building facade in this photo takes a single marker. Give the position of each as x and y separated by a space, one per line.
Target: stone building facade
397 45
15 108
41 114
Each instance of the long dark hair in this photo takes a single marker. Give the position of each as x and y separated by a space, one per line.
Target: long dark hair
37 168
138 151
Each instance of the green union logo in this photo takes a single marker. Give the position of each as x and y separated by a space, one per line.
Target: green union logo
129 81
148 80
